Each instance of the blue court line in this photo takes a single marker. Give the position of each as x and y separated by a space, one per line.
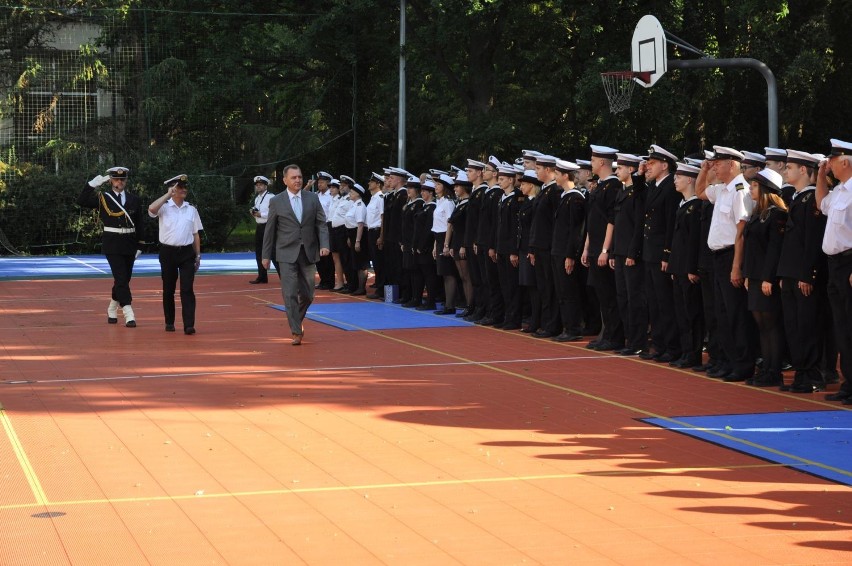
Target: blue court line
816 442
376 316
76 266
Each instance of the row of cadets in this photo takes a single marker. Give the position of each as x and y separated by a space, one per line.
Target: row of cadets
504 243
356 228
600 222
445 266
567 241
423 246
325 266
375 240
661 201
837 245
410 270
626 255
337 232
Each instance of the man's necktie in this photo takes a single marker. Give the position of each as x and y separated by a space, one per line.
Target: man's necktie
297 207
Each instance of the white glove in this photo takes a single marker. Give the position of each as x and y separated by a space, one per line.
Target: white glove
98 181
138 253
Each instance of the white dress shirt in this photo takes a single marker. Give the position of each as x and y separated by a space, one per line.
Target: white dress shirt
443 209
178 224
730 207
837 206
261 203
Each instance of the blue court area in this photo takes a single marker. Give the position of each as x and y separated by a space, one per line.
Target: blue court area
376 316
816 442
75 266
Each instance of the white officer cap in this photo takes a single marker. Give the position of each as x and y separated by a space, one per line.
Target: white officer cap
359 189
566 166
721 152
324 175
378 178
530 154
770 179
474 164
688 170
334 183
446 179
461 179
661 154
261 179
428 184
774 154
177 179
584 164
628 159
603 151
506 170
802 158
399 172
752 158
546 160
531 177
347 179
840 147
494 161
118 172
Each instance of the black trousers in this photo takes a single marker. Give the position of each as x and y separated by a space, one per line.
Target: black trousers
632 302
550 319
734 323
178 263
325 267
428 276
121 266
476 266
602 279
689 308
494 285
258 252
708 300
566 291
658 286
802 327
393 263
510 300
377 257
840 297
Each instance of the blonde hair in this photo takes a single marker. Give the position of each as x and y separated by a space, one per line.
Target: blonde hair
766 199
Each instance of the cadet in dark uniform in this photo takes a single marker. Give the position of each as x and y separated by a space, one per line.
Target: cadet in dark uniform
776 159
423 245
121 215
395 199
661 203
837 245
762 237
707 274
526 270
506 247
802 269
541 239
476 258
486 249
180 250
410 271
626 256
683 266
569 231
600 222
456 236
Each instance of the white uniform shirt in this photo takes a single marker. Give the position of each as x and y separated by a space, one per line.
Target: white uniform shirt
375 210
177 224
261 203
730 207
325 200
341 208
443 209
357 214
837 206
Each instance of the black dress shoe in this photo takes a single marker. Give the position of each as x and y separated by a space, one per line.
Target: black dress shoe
338 289
359 293
375 296
703 367
718 371
189 331
111 320
831 377
648 355
566 337
258 281
411 304
628 352
735 377
666 358
607 346
397 301
767 379
486 322
838 396
446 311
465 313
130 324
805 386
511 326
542 333
593 345
425 307
170 328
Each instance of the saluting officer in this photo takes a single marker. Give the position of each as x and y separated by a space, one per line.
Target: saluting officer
837 245
121 215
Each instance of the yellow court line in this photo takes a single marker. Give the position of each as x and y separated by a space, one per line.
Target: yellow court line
385 486
26 467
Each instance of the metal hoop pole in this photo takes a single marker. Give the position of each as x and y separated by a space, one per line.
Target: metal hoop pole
741 62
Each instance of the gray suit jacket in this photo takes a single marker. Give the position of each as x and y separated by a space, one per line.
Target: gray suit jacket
287 235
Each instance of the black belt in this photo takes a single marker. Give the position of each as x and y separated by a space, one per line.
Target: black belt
168 247
374 229
722 250
845 253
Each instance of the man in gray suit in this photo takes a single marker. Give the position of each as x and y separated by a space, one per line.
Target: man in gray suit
296 228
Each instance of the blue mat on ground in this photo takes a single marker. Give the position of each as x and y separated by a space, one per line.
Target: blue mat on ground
376 316
816 442
73 266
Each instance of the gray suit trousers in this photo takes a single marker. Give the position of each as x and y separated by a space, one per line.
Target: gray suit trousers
297 289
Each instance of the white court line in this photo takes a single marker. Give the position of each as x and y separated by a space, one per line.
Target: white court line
293 370
89 265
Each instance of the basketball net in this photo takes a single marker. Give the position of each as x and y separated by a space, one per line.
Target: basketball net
619 88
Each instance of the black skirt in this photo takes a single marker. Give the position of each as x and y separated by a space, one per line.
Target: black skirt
337 239
759 302
361 258
446 264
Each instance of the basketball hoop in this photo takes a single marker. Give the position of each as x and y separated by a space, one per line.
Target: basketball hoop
619 87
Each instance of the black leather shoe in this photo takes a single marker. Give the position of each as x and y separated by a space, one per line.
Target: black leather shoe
666 358
359 293
542 333
189 331
170 328
465 313
628 352
703 367
593 345
487 322
258 281
718 371
111 320
831 377
565 337
446 311
411 304
607 346
511 326
734 377
425 307
375 296
130 324
806 386
648 355
838 396
767 380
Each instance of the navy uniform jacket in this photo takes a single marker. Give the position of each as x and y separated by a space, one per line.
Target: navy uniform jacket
763 235
486 231
705 257
506 240
686 245
569 231
424 238
660 208
474 211
802 258
393 215
458 219
113 217
409 211
525 216
600 209
629 216
541 231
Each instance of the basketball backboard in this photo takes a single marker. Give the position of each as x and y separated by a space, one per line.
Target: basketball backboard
649 50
